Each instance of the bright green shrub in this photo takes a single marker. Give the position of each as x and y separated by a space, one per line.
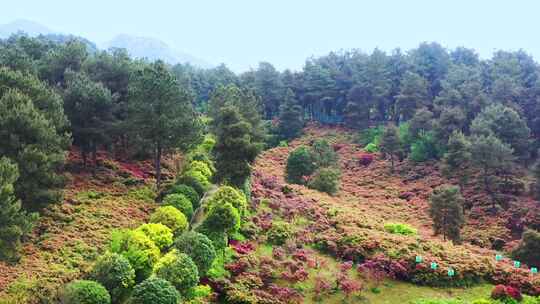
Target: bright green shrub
179 269
222 218
300 164
205 158
114 272
218 238
85 292
180 202
194 183
371 148
199 176
424 148
138 249
155 291
217 270
279 233
482 301
371 135
323 154
201 167
325 180
200 292
405 137
170 217
227 194
208 144
189 192
438 301
186 190
399 228
530 300
160 234
199 247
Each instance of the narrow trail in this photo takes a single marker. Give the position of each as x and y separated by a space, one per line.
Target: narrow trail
198 216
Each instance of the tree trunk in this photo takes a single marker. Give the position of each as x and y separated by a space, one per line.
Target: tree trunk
392 161
158 165
94 154
489 192
83 155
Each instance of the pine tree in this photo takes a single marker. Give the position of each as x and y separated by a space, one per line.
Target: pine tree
290 118
235 149
491 156
88 105
161 113
413 94
14 222
506 124
446 210
247 103
456 160
390 142
30 140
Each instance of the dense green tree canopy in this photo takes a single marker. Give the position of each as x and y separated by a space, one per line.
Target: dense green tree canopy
160 112
14 222
88 106
446 210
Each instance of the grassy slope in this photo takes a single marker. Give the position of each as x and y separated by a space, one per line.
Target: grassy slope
71 235
369 197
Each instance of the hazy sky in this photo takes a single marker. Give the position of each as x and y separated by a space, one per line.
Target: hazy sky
242 33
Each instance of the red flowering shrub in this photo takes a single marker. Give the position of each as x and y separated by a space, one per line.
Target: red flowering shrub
278 253
365 159
285 294
295 275
349 286
514 293
346 266
498 292
239 266
501 292
322 287
300 255
241 248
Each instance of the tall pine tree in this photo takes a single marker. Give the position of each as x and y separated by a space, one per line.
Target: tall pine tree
235 149
161 113
290 118
14 222
33 135
446 210
88 106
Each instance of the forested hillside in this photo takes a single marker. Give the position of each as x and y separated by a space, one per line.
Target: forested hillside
362 178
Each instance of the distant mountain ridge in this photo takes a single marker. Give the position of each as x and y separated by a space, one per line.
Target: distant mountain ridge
20 25
153 49
138 47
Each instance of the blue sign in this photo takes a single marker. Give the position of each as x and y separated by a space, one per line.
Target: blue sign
434 265
534 270
451 272
517 264
498 257
418 259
